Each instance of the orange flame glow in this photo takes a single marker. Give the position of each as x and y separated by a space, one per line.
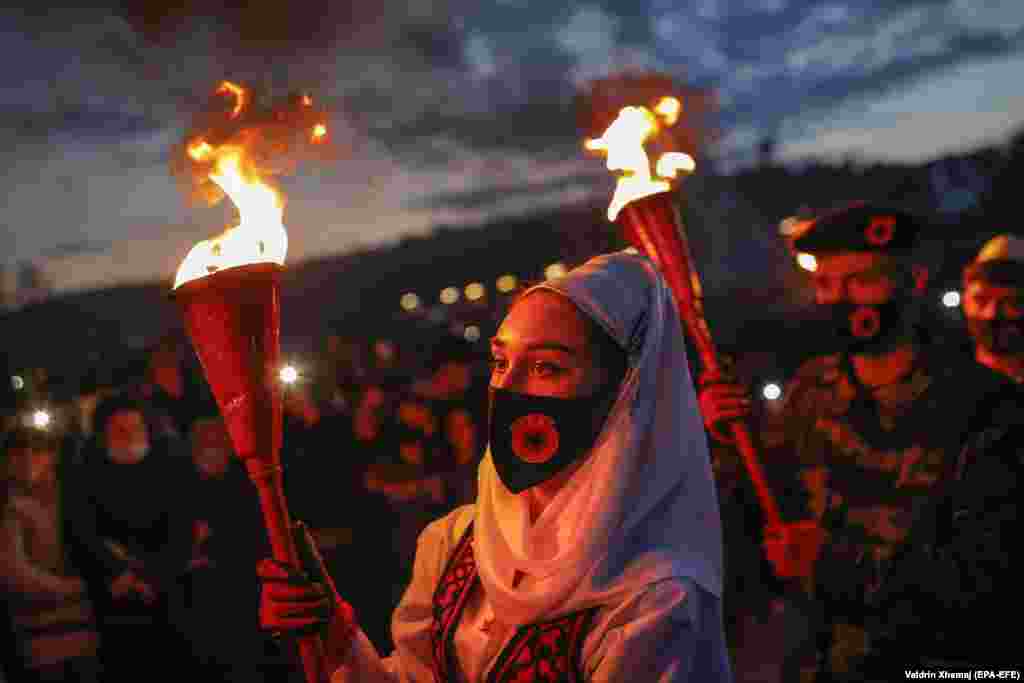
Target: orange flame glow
200 150
623 143
307 101
259 237
241 96
319 132
668 108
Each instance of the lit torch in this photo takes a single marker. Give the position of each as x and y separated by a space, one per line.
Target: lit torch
643 209
228 289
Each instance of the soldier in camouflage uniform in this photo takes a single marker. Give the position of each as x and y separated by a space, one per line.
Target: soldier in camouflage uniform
866 432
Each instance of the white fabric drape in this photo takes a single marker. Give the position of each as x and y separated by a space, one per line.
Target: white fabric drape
643 505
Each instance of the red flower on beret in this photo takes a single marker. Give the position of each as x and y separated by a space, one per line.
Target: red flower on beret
534 438
865 322
881 230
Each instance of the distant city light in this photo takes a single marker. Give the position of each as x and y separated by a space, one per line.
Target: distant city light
449 295
771 391
472 333
807 261
474 291
951 299
40 419
410 302
554 270
17 382
289 374
506 283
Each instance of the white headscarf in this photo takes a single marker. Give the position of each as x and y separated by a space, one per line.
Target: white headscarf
643 506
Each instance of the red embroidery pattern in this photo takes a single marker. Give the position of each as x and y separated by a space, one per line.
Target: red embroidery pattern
547 652
449 598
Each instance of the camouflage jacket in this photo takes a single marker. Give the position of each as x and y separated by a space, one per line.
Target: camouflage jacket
865 461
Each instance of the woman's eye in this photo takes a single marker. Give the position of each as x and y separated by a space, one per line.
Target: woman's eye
545 369
498 364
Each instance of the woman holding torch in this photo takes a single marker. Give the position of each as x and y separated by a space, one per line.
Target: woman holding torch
593 550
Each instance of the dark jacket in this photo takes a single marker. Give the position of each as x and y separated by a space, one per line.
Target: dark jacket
959 569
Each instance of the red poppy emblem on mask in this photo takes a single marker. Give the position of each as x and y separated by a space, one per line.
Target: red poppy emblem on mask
534 438
865 322
880 231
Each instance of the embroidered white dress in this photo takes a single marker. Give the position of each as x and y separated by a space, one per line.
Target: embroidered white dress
666 632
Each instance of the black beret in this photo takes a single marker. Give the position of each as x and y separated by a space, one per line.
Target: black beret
859 227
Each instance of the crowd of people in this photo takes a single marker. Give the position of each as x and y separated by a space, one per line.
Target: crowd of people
131 532
131 536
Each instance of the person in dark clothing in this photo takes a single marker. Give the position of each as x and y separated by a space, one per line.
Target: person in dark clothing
130 533
219 609
960 568
324 480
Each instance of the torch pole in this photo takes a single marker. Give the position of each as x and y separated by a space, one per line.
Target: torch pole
653 225
280 532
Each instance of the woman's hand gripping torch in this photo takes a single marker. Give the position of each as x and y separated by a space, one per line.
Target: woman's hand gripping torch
228 289
643 209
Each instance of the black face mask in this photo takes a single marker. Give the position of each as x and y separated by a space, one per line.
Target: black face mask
533 438
1000 335
868 328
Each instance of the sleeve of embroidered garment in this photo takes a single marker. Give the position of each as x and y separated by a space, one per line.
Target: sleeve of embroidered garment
410 624
672 633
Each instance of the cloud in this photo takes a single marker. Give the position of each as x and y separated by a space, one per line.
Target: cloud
589 32
954 110
487 196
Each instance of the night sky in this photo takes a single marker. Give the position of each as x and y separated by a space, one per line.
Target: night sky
453 111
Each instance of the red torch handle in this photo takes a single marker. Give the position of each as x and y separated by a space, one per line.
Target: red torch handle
653 226
270 489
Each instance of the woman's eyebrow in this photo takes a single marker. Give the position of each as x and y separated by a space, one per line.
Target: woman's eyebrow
538 346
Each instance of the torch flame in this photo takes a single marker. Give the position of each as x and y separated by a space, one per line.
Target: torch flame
623 142
307 101
259 237
200 150
241 96
668 108
319 132
670 163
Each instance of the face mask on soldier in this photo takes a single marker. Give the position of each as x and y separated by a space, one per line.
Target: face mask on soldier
868 328
1001 336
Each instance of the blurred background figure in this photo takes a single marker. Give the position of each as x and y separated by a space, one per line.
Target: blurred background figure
424 458
51 620
993 305
218 610
163 388
131 532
